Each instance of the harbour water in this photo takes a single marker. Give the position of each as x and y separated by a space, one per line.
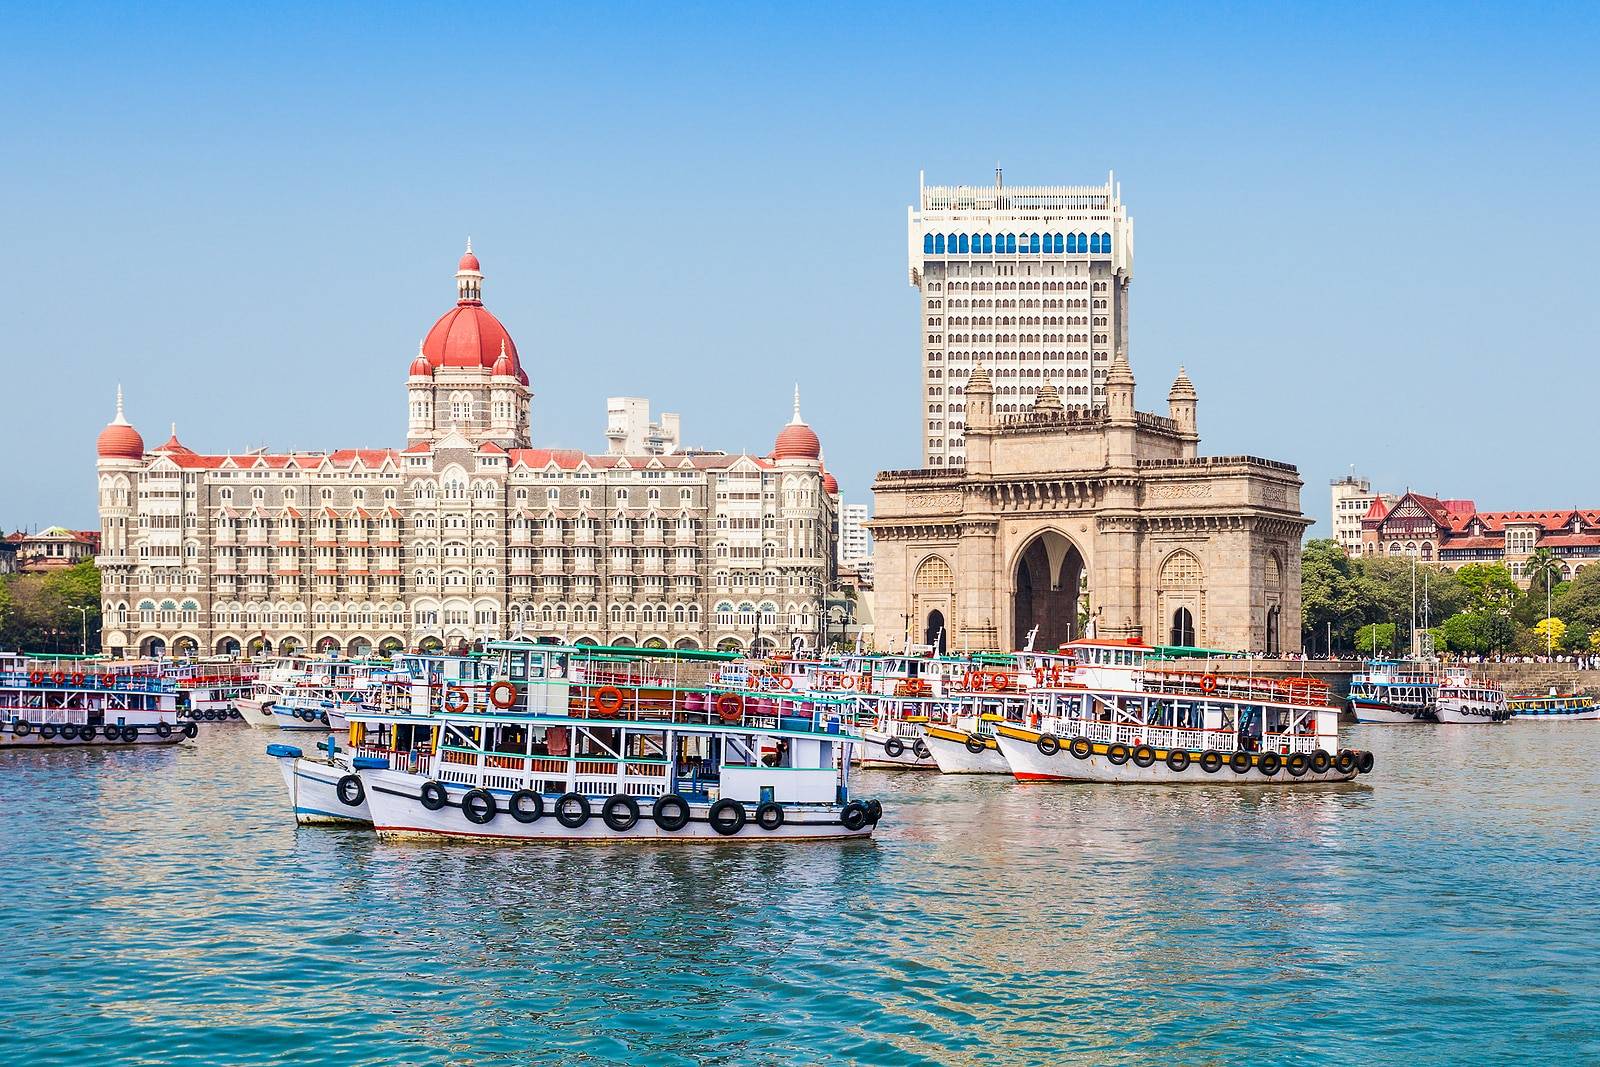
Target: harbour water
159 906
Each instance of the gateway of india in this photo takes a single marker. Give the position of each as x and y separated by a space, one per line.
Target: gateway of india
1048 506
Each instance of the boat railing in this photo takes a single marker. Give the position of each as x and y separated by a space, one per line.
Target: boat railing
1168 737
588 774
40 716
1300 692
79 681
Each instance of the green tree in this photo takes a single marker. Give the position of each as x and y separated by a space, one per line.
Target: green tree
1540 568
1576 639
1579 599
1329 594
1375 638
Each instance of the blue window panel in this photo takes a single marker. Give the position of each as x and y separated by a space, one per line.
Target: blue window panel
1033 242
1094 242
927 244
1011 242
1058 243
977 242
963 242
938 244
1105 243
952 240
988 242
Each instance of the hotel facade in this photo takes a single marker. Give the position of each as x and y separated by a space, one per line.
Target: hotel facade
466 534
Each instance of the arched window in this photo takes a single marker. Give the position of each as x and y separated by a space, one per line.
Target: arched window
1105 243
938 244
927 244
1011 242
935 576
988 242
1033 242
977 243
1094 242
1058 243
963 242
1182 628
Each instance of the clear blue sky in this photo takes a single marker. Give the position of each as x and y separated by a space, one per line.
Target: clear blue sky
1368 231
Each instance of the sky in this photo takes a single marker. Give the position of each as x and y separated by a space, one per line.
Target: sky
1367 231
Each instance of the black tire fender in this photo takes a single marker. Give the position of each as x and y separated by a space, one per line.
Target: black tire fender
671 812
1117 753
769 816
854 816
1211 762
620 812
1048 744
434 795
350 790
894 747
727 817
1178 760
526 806
1143 756
573 810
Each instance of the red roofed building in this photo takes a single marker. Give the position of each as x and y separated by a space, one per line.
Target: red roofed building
1453 533
53 548
465 534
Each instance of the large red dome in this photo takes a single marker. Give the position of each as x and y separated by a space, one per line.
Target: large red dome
797 441
468 336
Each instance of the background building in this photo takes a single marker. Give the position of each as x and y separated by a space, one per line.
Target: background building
1029 281
1453 533
467 533
855 540
629 431
52 548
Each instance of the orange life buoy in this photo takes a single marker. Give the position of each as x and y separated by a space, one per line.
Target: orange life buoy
59 677
1208 683
608 700
730 706
455 699
502 694
847 682
785 682
77 679
36 677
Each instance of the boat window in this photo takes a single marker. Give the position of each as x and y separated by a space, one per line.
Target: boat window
739 750
647 744
599 741
512 738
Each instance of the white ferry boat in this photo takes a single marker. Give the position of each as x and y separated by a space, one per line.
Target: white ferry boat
1554 707
1464 700
601 745
1389 693
208 689
1210 728
46 704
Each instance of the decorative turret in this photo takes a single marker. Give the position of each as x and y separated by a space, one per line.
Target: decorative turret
1181 408
1119 390
979 396
1048 400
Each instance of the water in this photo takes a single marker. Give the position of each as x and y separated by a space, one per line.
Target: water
159 906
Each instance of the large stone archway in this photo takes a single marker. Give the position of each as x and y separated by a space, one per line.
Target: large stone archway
1046 581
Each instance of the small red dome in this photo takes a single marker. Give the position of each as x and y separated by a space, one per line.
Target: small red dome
830 484
120 440
468 261
420 367
503 367
468 336
797 441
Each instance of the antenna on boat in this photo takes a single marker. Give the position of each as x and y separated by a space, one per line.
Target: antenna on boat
1027 645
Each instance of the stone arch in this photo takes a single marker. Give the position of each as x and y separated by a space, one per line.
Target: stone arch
1272 604
227 645
390 645
933 600
1180 597
1047 577
686 642
185 645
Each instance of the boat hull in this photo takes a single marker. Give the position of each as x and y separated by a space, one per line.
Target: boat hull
1382 714
1029 764
954 755
257 713
878 751
313 788
147 736
1587 715
1467 714
394 798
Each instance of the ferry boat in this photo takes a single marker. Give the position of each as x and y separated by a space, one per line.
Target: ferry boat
1464 700
1553 707
209 689
1389 692
1183 727
603 744
396 730
45 705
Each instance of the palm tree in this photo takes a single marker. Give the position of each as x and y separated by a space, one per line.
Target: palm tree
1542 569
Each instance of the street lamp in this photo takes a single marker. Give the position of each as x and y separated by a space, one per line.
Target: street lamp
83 617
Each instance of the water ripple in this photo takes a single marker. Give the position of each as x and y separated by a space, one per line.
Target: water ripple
160 908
